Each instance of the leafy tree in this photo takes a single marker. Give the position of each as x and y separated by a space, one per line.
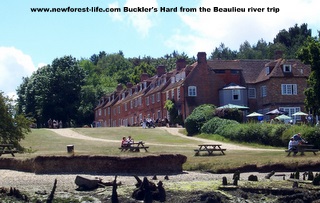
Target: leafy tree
293 39
138 70
310 54
12 127
223 52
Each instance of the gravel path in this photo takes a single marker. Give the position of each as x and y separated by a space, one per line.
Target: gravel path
66 132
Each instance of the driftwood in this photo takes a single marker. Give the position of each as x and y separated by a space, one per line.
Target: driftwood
148 191
51 196
86 183
114 197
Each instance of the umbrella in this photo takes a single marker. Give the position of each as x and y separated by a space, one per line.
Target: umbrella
254 114
300 113
233 106
275 112
283 117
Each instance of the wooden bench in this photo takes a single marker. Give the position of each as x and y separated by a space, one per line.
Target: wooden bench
134 147
302 150
210 148
7 149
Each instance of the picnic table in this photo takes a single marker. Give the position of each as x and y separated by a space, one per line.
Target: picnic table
134 147
302 148
210 148
7 149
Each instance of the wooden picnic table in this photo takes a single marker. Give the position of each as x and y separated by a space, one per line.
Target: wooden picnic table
210 148
7 149
134 147
302 148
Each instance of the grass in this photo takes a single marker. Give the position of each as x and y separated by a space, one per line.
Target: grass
45 142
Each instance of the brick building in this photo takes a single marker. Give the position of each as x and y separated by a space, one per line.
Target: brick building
262 85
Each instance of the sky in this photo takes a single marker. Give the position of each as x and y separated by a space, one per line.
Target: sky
29 40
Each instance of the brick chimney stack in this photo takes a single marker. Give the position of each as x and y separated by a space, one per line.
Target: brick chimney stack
278 54
144 76
161 70
129 84
119 87
202 57
180 64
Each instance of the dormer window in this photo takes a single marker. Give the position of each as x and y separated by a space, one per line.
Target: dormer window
287 68
267 70
172 80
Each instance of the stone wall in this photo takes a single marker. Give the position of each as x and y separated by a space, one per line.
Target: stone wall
152 164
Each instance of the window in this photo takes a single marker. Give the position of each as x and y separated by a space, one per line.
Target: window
219 71
99 112
235 72
289 89
252 93
235 94
172 93
131 104
167 95
147 101
108 110
152 99
267 70
192 91
291 110
159 114
178 93
125 107
118 109
263 91
287 68
158 97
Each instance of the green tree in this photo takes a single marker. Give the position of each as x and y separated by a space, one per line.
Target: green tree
310 54
12 127
223 52
138 70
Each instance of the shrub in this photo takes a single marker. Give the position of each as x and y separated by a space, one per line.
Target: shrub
198 117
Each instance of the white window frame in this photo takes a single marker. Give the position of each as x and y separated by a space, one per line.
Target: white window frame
236 93
287 68
291 110
152 99
263 91
192 91
252 93
178 93
289 89
158 96
172 93
147 101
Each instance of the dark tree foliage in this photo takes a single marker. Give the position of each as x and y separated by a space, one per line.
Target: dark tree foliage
13 127
310 54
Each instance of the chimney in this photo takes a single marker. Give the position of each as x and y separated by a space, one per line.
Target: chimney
119 87
278 54
180 64
161 70
144 76
129 84
202 57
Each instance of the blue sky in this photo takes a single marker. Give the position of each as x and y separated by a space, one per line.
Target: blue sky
29 40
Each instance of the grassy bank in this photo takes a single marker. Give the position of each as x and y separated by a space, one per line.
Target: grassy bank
45 142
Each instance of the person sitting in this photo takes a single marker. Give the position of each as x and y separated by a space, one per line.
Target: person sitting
124 142
297 137
293 146
130 140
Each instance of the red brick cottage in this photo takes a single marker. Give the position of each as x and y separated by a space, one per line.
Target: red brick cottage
262 85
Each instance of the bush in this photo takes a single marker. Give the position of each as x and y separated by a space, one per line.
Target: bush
216 125
310 134
198 117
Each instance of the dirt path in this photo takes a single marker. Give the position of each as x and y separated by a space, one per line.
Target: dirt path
68 132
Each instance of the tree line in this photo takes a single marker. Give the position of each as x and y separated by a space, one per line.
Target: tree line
68 89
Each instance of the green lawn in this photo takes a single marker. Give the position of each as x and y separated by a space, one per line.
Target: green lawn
45 142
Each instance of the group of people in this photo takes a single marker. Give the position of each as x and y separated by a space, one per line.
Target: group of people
54 123
295 140
126 142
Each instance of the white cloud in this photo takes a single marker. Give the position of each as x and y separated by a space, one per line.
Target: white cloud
115 16
141 21
207 30
14 64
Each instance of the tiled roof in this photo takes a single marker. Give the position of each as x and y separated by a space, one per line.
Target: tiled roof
224 64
